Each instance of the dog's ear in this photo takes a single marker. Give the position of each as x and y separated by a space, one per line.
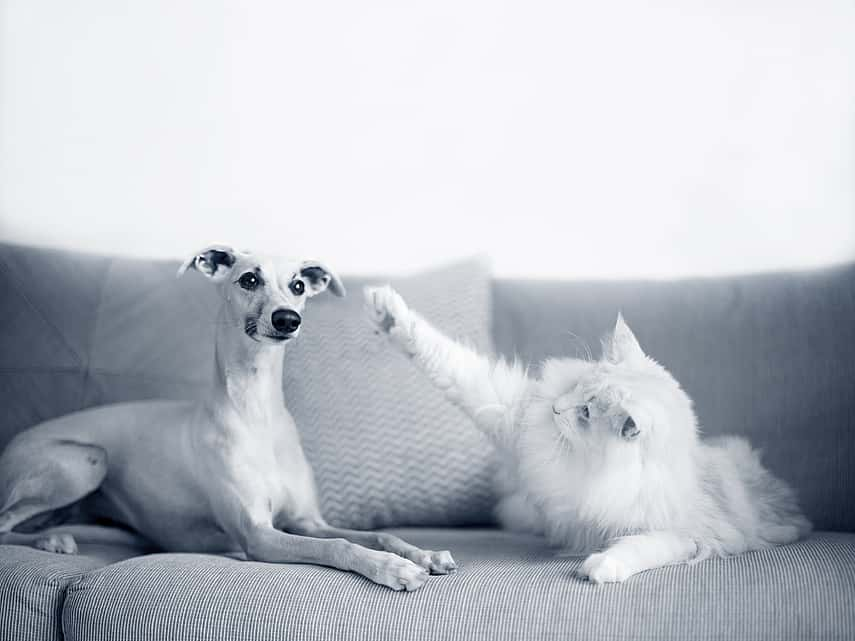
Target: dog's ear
622 346
215 261
319 277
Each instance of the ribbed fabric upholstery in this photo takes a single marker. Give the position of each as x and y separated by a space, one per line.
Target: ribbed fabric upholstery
33 585
508 587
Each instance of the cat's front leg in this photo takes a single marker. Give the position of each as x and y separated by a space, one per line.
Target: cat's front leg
490 392
630 555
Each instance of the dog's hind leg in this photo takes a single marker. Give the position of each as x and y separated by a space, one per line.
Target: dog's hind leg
491 393
37 476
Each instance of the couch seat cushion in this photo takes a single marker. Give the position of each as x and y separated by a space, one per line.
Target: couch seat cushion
509 587
33 585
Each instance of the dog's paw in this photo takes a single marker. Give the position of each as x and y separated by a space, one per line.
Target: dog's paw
602 568
387 309
57 543
436 562
398 573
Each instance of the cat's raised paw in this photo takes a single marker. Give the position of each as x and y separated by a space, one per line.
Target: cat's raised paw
602 568
384 305
388 311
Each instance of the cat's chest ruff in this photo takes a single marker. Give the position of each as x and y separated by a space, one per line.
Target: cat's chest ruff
582 506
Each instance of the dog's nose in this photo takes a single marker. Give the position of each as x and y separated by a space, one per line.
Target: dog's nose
286 320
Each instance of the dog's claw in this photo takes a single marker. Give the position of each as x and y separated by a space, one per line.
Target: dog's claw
437 562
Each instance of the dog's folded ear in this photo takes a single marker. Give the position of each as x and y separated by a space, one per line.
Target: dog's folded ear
319 277
214 261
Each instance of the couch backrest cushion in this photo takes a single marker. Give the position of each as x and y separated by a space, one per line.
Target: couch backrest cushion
78 331
770 357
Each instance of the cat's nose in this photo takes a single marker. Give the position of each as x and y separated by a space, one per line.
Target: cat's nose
555 410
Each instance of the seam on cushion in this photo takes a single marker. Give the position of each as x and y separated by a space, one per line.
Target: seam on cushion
146 377
40 369
94 370
84 388
64 594
16 285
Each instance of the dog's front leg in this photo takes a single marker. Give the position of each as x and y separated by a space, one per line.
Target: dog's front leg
630 555
440 562
274 546
250 526
492 393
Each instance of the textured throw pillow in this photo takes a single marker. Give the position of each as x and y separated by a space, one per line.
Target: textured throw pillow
386 447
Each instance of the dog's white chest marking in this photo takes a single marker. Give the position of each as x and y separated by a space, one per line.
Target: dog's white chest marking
261 451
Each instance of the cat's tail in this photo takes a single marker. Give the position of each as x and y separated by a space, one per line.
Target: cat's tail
779 519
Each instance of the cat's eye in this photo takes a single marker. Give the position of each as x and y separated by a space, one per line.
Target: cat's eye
584 412
249 281
630 429
298 287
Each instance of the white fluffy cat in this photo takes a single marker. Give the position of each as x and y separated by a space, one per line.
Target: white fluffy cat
604 457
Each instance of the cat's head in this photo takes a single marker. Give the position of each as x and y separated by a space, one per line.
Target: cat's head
625 402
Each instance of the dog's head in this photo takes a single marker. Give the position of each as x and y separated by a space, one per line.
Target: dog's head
264 296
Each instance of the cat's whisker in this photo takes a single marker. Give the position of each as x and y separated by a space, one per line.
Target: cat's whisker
587 355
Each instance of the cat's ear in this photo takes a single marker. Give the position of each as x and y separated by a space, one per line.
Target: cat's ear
622 346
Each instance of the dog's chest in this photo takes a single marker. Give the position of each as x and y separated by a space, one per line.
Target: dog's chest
269 463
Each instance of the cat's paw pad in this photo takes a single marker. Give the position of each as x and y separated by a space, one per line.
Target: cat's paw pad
437 562
602 568
387 310
57 543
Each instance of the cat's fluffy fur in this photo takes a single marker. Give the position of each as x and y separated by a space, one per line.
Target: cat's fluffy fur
603 457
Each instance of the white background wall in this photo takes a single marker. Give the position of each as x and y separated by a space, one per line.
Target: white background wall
563 138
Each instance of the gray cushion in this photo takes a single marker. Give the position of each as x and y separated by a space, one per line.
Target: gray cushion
771 357
33 585
508 587
79 330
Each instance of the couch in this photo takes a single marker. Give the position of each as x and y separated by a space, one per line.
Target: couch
769 356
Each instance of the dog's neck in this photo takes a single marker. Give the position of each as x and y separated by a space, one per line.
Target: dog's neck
248 376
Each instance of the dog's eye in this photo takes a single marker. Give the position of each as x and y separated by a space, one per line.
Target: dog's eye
298 287
584 413
249 281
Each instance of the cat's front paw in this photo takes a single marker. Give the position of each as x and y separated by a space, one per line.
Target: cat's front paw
603 568
387 310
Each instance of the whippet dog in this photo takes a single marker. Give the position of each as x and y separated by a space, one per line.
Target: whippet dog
226 474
